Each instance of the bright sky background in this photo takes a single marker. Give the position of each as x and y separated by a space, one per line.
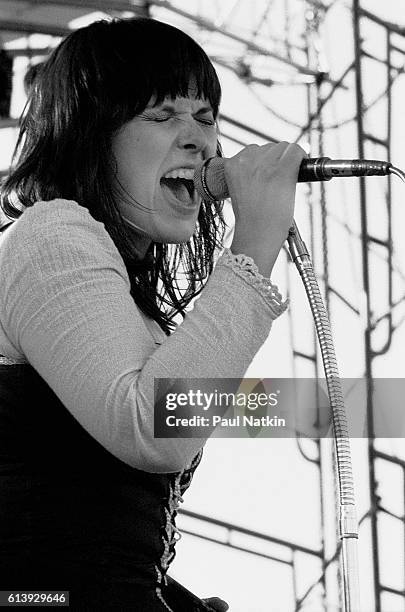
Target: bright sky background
267 485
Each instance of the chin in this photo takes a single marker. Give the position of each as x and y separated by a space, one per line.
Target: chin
176 235
176 239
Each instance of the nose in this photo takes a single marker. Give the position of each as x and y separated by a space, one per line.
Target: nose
191 136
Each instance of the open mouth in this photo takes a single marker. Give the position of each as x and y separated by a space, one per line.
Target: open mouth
181 188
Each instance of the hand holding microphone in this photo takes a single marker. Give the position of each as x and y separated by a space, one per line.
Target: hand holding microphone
261 181
219 178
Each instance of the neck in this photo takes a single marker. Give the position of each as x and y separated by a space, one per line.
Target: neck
142 240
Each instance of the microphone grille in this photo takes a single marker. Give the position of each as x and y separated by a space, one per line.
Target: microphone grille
209 180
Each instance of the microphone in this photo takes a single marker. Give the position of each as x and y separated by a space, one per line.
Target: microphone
210 183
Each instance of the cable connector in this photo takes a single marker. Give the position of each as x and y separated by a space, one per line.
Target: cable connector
298 249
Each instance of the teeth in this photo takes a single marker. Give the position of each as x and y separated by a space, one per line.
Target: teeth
184 173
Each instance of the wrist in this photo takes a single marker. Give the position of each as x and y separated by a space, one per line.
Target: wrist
263 259
264 252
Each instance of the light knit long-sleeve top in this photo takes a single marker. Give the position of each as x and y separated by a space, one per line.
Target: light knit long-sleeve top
66 309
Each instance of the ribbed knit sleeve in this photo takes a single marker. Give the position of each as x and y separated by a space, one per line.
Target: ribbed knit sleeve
65 306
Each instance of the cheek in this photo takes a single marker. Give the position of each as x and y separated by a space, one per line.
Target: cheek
214 146
135 172
133 155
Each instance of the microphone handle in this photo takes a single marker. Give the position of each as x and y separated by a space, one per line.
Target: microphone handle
325 168
313 169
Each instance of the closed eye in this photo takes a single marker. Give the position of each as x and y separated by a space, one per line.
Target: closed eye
152 117
206 121
201 116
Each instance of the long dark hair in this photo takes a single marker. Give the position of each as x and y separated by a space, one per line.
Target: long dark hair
95 81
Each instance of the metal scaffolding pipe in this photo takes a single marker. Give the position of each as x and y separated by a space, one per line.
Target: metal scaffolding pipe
121 5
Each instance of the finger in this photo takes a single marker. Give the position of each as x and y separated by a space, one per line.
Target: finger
293 152
291 160
277 150
217 604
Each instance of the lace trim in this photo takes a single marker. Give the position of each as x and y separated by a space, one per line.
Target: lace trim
159 592
171 534
246 268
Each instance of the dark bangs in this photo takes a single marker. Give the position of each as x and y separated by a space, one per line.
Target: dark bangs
181 65
164 69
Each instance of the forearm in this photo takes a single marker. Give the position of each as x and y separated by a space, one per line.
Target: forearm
218 339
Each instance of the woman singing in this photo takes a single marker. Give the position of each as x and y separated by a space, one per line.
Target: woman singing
104 215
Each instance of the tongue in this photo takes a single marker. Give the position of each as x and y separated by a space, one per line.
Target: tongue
178 188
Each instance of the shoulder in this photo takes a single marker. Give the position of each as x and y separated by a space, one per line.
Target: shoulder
56 234
55 216
55 221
